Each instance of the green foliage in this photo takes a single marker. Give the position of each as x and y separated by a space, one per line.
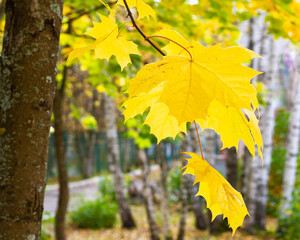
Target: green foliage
290 227
275 183
89 122
98 214
107 189
47 218
139 131
277 165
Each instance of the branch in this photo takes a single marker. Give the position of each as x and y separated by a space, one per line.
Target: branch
140 31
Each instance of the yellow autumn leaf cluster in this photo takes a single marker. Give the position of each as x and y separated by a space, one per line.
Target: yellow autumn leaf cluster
209 85
220 196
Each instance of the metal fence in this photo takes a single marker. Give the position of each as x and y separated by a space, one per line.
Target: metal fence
128 153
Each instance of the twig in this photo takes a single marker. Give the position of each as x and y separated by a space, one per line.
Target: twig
140 31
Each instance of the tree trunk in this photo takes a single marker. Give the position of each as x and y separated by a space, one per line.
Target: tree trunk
210 148
165 196
232 167
192 145
289 174
114 161
88 158
184 185
268 121
148 195
27 83
63 198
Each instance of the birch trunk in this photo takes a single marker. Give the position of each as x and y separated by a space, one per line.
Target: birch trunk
289 174
114 161
210 148
148 195
268 121
165 196
251 190
27 73
60 217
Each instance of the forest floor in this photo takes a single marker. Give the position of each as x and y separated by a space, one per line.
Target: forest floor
142 233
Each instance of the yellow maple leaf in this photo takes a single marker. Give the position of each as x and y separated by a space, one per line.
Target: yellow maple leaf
191 85
108 42
220 196
213 86
233 126
143 9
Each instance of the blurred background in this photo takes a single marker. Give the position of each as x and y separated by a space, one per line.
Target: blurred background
113 178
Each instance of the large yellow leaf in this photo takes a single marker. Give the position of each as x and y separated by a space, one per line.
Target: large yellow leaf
108 42
190 86
143 9
220 196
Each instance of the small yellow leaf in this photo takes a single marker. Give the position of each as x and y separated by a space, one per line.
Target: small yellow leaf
107 43
220 196
143 9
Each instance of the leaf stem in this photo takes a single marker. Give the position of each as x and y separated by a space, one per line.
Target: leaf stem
199 139
140 31
173 42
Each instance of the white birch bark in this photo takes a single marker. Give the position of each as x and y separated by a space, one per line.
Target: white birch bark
114 161
154 232
268 121
289 174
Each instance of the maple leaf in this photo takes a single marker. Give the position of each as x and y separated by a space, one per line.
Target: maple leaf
193 88
233 126
108 42
191 85
143 9
220 196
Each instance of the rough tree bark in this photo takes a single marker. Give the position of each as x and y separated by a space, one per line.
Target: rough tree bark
27 83
142 157
268 121
165 196
114 161
289 174
63 198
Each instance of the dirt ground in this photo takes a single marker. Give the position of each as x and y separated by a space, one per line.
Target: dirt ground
141 232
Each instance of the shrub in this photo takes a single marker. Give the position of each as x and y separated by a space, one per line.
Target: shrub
101 213
290 227
107 188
